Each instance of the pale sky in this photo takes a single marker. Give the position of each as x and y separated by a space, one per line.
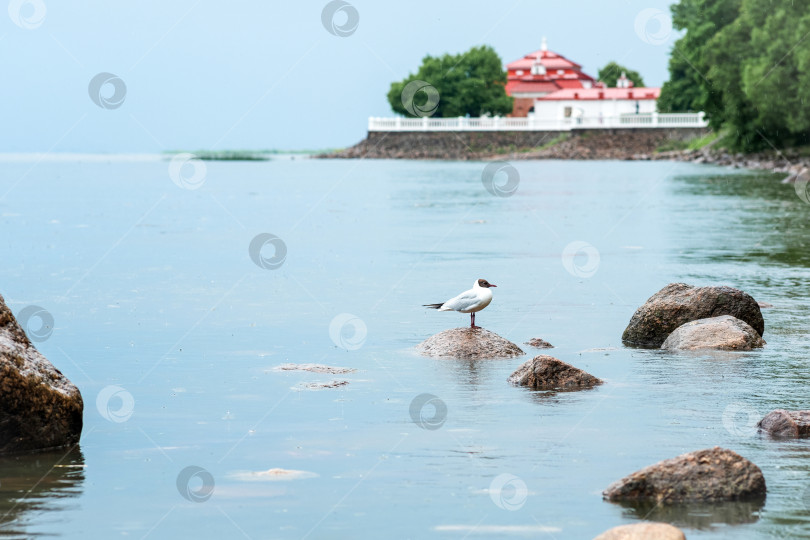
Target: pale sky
257 75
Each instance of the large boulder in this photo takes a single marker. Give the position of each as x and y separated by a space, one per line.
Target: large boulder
39 407
713 474
724 332
643 531
548 373
786 424
469 343
679 303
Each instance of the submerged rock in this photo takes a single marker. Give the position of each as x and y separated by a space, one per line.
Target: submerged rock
470 343
724 332
323 385
271 475
548 373
39 407
713 474
539 343
643 531
788 424
315 368
679 303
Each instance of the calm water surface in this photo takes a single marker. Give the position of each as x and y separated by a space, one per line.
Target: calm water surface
152 291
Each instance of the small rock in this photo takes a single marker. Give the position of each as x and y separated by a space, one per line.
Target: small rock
788 424
39 407
764 305
725 333
549 373
679 303
322 385
315 368
271 475
713 474
643 531
539 343
469 343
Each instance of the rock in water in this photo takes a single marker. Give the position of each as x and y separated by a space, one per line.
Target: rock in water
679 303
724 332
548 373
643 531
789 424
539 343
469 343
713 474
39 407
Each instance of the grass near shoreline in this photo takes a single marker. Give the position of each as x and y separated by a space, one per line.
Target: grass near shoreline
244 155
691 144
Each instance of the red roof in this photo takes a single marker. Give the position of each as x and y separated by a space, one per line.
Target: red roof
526 87
559 73
569 83
549 59
604 93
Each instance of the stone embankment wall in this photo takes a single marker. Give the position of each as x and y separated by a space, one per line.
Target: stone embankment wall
484 145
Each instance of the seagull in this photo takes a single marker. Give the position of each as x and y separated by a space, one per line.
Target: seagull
470 301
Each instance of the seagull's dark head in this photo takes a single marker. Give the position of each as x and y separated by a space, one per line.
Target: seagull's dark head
485 284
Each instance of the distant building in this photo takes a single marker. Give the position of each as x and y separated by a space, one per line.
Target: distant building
540 73
550 88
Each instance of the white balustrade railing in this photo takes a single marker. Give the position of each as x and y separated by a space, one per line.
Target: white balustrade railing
532 123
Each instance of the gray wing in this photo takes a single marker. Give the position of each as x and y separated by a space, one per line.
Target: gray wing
465 300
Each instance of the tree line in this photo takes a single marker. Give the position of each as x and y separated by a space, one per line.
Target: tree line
746 64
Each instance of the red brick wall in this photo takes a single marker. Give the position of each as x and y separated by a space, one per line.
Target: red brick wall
521 106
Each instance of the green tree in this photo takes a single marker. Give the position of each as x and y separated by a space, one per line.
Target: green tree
775 79
612 71
471 83
689 87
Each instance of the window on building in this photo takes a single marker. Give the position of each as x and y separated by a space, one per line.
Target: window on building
567 112
538 69
519 72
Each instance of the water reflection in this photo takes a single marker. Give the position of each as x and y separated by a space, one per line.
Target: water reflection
473 373
559 395
771 226
32 484
703 516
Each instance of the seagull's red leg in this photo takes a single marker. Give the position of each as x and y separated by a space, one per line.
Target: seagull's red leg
472 320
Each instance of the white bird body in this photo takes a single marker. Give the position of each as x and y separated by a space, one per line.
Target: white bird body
471 301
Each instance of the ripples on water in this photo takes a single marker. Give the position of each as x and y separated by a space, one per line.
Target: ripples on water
152 290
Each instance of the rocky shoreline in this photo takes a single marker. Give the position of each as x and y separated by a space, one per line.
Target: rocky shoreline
602 144
789 161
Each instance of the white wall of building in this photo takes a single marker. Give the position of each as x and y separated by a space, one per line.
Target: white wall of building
555 110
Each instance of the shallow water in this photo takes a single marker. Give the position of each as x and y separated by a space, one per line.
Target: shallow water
172 333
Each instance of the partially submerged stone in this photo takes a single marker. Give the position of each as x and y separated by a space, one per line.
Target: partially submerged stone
325 385
713 474
786 424
548 373
271 475
643 531
724 332
468 343
315 368
679 303
539 343
39 407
